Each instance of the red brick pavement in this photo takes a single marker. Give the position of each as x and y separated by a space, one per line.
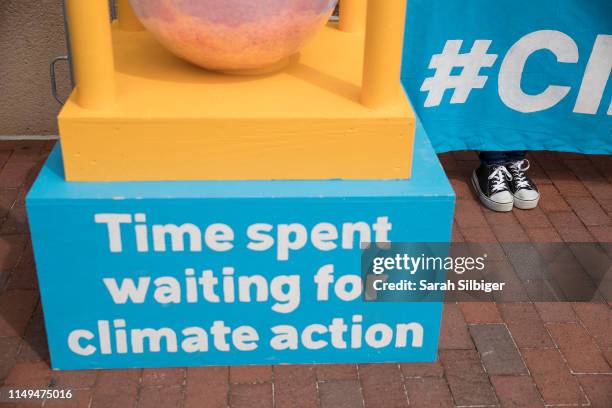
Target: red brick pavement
510 354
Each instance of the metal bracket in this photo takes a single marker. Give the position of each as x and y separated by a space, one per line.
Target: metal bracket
68 57
54 77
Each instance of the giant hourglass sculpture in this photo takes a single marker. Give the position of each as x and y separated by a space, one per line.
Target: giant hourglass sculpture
213 141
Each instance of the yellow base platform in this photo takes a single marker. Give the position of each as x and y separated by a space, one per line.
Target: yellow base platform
175 121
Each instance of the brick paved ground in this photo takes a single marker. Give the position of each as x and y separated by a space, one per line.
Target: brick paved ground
514 354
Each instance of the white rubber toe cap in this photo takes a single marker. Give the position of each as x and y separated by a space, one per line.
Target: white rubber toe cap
526 199
503 197
527 195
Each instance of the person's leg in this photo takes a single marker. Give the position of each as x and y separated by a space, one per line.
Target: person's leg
490 181
492 157
524 190
516 155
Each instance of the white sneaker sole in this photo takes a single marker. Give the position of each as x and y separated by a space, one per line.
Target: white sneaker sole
486 201
526 204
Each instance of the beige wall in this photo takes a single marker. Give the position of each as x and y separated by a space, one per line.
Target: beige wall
31 35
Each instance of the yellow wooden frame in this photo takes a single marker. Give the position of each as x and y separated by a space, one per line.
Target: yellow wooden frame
138 112
92 48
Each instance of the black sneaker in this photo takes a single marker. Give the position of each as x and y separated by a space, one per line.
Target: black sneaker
525 192
491 185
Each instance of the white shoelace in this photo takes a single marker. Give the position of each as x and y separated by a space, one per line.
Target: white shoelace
520 167
499 177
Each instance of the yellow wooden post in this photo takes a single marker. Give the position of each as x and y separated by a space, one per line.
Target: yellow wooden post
383 52
353 15
128 21
92 52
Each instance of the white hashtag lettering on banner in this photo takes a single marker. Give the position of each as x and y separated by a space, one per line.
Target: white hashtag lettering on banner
462 84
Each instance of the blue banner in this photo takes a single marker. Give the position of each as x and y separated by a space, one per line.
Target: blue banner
512 74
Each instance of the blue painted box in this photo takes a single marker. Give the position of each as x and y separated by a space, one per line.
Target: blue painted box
156 274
